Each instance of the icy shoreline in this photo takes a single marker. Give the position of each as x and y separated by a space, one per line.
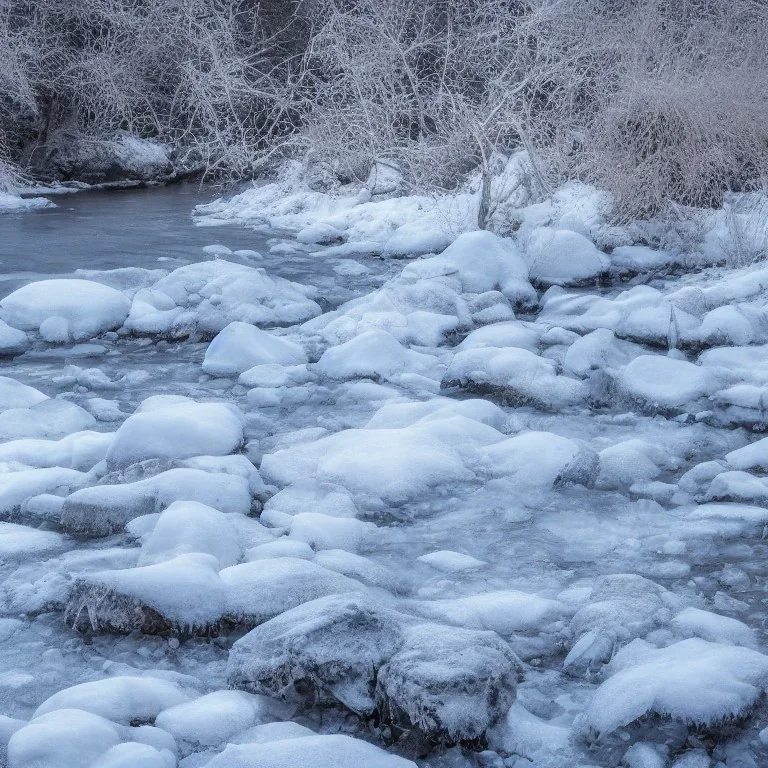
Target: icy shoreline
506 509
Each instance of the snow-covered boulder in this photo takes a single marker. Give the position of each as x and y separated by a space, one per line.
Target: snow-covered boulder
12 341
629 462
696 682
177 432
330 532
518 377
203 298
562 257
450 684
14 394
17 487
620 607
332 751
20 542
598 351
105 509
215 718
80 451
51 418
541 460
63 310
187 527
664 382
183 595
333 645
375 355
68 737
241 346
752 457
260 590
512 333
391 464
121 699
482 262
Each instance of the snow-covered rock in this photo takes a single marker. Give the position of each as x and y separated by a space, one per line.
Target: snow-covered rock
260 590
187 527
334 645
451 684
12 341
241 346
177 431
482 262
562 257
516 376
204 298
182 595
63 310
664 382
694 681
374 354
213 719
120 699
335 751
541 460
105 509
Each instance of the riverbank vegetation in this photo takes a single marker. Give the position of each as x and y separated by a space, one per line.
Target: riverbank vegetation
659 103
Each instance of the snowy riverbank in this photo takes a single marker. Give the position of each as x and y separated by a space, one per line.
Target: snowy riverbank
503 507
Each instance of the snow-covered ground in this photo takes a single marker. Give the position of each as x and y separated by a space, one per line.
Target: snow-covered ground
504 505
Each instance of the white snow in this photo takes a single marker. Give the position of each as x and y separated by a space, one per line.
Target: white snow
241 346
178 431
335 751
54 308
694 681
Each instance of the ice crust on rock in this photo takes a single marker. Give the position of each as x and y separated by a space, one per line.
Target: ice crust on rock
184 594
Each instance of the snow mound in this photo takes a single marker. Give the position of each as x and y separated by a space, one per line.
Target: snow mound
541 460
119 699
51 418
373 354
451 684
664 382
11 203
562 257
14 394
330 532
214 718
334 645
19 542
694 681
187 527
391 464
482 262
203 298
513 333
182 595
63 310
80 451
260 590
12 341
18 487
65 737
516 376
241 346
176 432
502 612
105 509
334 751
